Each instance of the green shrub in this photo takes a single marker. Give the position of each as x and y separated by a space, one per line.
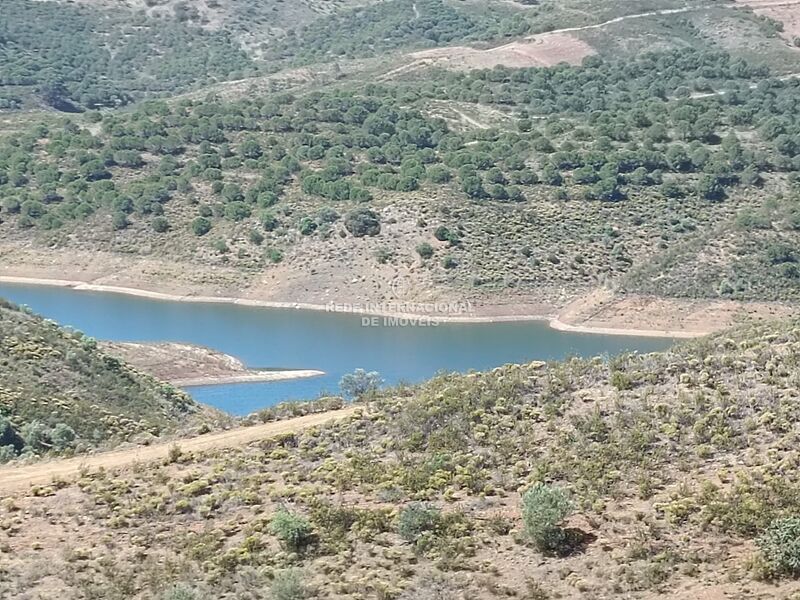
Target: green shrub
62 436
543 509
621 381
7 453
237 211
268 221
780 546
415 520
425 250
201 226
362 222
179 592
307 226
120 221
442 233
221 246
383 255
288 585
293 530
274 255
160 225
255 237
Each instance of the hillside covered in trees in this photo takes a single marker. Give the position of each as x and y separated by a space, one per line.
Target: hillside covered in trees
661 475
525 179
91 54
60 394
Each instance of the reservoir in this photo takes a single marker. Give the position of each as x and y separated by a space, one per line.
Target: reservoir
336 343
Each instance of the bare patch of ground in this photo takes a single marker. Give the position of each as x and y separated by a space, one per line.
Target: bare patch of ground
186 365
606 313
541 51
469 116
786 12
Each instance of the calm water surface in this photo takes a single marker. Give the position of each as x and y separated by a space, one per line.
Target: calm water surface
294 339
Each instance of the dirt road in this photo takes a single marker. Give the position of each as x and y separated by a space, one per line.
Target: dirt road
512 53
15 479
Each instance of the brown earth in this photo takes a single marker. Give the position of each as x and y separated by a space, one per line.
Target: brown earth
187 365
787 12
599 311
543 50
604 312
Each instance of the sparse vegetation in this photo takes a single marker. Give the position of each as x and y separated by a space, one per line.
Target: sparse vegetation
428 483
59 393
265 140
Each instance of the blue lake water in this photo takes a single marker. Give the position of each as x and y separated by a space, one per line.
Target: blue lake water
295 339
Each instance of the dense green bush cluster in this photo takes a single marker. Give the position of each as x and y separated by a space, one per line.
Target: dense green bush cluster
385 26
621 129
75 57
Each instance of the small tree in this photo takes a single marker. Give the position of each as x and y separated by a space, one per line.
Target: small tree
359 383
543 509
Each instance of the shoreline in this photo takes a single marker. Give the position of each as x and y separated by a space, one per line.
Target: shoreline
251 377
189 365
331 307
552 320
558 325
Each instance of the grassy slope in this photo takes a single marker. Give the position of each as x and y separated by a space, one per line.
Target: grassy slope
54 376
675 462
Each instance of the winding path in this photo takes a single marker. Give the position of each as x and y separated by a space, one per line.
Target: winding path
15 479
419 59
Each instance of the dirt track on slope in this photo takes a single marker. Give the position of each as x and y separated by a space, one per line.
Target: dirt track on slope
559 45
15 479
